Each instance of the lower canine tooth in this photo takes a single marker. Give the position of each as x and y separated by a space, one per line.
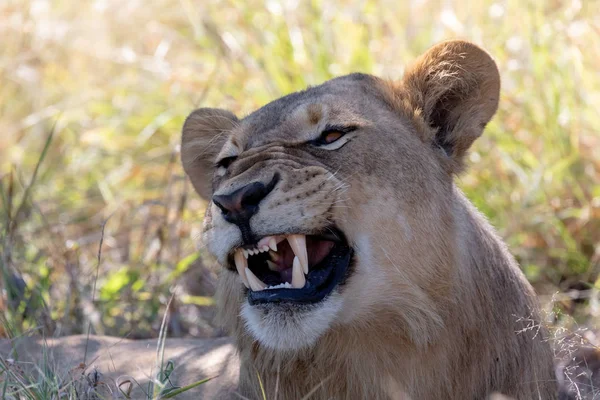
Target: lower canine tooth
255 284
274 256
241 264
298 245
272 265
298 278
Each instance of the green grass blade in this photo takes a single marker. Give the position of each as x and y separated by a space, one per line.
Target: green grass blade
177 391
262 388
29 187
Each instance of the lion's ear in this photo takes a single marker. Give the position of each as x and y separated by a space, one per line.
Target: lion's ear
455 86
204 132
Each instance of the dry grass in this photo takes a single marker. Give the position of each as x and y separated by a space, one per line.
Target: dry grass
113 82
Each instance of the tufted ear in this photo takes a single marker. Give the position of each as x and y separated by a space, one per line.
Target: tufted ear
204 132
455 87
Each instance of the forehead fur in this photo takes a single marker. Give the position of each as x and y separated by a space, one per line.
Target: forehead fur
340 100
397 97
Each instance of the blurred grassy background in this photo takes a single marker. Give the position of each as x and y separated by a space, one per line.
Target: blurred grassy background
112 81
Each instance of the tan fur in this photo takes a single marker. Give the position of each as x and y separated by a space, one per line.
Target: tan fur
436 307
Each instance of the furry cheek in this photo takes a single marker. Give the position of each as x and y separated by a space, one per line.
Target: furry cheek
218 235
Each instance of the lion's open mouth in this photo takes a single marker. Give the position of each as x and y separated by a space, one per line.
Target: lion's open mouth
293 268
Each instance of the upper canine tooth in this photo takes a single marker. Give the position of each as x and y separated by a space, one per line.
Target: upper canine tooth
298 278
273 244
298 245
245 253
241 263
255 284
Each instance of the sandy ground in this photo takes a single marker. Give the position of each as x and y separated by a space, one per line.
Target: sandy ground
116 359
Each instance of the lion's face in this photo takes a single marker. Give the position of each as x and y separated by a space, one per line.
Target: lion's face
332 204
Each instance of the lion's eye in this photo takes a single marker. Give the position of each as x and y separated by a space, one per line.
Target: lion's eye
331 135
226 162
223 164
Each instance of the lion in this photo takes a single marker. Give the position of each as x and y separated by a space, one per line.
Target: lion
353 266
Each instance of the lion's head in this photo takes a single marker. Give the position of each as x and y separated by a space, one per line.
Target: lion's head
334 204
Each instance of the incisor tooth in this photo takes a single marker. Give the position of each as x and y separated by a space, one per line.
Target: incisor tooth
262 242
241 264
265 248
245 253
255 284
298 278
272 266
298 245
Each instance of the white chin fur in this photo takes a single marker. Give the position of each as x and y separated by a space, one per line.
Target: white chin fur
283 329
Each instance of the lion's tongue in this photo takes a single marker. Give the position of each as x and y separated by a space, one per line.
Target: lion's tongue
317 250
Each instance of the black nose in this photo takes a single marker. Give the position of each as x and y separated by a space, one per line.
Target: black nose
238 206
